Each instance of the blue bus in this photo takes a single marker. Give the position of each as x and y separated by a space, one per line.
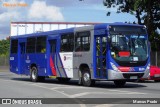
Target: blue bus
111 51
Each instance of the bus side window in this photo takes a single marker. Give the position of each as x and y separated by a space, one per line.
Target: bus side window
53 46
41 44
82 41
31 45
14 46
67 42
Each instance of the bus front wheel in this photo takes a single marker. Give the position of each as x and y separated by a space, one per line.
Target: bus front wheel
119 83
86 79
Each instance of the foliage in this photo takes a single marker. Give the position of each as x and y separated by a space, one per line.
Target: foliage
4 47
155 41
147 12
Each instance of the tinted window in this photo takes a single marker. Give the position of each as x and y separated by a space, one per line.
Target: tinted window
82 41
31 42
67 42
41 44
127 29
14 46
53 46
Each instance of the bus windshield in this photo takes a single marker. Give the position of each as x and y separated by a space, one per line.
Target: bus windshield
129 47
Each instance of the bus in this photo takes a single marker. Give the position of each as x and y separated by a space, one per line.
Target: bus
115 52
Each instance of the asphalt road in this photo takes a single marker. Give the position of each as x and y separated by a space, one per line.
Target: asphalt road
16 86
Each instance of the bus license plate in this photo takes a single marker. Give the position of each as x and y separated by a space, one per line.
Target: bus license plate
133 77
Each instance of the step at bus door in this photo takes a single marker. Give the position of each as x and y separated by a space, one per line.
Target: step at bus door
101 50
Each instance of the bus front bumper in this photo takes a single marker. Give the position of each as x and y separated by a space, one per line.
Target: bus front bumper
114 75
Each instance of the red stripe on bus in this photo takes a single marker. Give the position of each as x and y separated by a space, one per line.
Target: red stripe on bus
124 69
52 67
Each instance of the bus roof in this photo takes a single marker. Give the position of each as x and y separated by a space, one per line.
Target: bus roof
61 31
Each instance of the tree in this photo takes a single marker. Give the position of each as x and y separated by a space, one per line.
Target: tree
147 12
4 47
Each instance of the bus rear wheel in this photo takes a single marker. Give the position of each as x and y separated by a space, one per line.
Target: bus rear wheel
119 83
86 78
34 75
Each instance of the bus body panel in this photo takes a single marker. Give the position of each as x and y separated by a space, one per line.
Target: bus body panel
14 63
85 57
67 64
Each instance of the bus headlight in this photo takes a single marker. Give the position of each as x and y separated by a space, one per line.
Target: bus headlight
114 67
148 67
147 72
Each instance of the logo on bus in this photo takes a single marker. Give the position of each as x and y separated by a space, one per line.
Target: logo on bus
65 58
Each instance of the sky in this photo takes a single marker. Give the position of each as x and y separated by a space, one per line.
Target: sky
57 11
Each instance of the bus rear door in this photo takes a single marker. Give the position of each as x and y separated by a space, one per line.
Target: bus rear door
21 56
52 55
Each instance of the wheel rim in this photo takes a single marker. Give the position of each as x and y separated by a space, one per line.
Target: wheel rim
34 74
86 77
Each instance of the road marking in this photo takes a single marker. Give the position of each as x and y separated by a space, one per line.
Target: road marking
87 93
36 84
62 87
128 92
62 92
54 88
79 94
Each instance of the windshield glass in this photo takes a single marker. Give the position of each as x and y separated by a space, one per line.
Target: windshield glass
129 47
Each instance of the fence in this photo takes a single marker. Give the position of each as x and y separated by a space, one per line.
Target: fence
4 60
155 59
155 56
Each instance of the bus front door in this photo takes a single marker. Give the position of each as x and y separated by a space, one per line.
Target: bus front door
101 50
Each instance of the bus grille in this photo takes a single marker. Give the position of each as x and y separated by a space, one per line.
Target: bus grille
128 75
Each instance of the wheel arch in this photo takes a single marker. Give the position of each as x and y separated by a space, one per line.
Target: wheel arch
33 65
83 66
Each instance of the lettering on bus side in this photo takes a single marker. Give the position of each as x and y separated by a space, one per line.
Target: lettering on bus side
77 55
67 57
11 58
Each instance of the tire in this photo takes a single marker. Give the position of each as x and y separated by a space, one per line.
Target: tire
86 78
63 80
34 74
119 83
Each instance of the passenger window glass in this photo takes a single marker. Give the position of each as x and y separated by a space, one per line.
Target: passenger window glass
82 41
41 44
31 45
14 46
67 42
